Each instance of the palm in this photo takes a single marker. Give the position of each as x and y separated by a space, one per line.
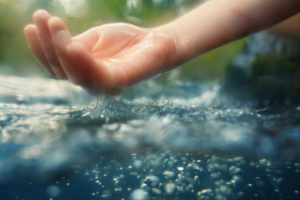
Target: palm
104 58
131 53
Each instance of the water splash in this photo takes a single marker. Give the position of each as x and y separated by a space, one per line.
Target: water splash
98 111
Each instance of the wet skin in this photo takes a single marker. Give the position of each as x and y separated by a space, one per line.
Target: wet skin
102 59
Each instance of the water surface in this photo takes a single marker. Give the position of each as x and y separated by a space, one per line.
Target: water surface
183 141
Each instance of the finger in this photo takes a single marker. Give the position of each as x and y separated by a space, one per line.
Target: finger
100 75
31 34
41 19
61 38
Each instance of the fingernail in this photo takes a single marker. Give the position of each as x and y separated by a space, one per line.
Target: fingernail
40 13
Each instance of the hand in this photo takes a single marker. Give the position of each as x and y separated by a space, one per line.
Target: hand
102 59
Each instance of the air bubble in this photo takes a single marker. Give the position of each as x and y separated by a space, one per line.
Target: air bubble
196 178
53 191
168 174
137 163
193 166
139 194
152 180
224 189
204 192
170 188
106 194
234 170
180 168
156 191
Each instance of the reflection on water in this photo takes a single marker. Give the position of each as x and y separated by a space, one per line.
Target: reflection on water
184 141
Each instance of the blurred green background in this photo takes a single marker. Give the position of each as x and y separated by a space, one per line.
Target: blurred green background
15 58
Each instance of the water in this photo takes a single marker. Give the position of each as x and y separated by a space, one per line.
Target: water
183 141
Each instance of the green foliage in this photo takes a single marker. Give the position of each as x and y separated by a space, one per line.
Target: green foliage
211 65
276 77
271 78
16 59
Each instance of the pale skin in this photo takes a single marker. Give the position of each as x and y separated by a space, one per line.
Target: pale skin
113 56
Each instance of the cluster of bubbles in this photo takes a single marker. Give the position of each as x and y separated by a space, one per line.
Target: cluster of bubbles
165 175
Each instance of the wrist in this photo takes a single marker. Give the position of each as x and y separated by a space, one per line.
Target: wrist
176 54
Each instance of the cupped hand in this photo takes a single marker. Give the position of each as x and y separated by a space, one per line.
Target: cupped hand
102 59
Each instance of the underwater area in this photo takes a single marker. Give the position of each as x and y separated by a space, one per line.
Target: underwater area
186 135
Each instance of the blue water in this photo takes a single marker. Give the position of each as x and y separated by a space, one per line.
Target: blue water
183 141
